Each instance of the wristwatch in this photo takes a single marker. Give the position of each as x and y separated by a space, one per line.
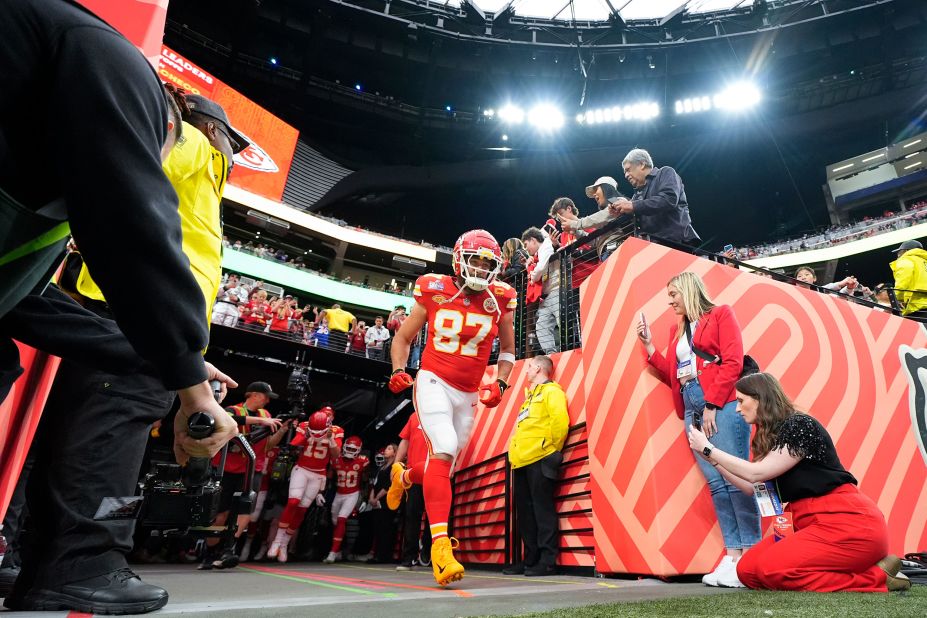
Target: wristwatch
707 451
711 406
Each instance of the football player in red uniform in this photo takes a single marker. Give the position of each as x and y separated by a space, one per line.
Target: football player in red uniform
464 313
320 441
348 470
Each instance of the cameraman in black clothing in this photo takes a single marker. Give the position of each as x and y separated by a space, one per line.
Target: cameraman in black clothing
72 85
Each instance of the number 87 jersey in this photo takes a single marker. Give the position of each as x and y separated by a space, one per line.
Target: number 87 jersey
461 327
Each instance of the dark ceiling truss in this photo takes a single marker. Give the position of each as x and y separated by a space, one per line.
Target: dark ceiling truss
512 29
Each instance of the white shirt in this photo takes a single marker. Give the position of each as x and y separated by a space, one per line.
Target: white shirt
375 336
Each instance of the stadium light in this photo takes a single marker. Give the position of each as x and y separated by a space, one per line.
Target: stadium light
512 114
545 117
645 110
737 97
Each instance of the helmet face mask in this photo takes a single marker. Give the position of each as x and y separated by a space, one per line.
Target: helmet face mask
379 459
352 447
477 246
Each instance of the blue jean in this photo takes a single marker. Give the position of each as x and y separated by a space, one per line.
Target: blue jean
737 512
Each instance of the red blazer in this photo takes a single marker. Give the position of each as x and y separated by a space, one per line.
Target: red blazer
718 333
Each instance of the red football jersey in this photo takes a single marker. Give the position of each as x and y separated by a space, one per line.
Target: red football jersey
461 332
349 473
418 448
315 452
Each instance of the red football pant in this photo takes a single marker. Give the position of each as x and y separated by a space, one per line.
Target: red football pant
416 474
293 515
838 539
338 534
437 487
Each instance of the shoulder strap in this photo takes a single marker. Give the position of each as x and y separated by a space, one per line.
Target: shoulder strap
700 353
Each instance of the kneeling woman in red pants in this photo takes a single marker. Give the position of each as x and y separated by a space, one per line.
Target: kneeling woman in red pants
840 539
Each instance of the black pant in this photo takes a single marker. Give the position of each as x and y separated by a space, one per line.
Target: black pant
16 513
412 526
538 523
89 445
384 532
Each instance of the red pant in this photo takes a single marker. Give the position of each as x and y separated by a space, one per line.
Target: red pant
838 539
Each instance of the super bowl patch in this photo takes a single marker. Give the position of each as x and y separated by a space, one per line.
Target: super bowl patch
436 285
489 304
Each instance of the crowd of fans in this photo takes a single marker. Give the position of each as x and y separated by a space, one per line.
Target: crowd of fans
266 251
252 307
840 234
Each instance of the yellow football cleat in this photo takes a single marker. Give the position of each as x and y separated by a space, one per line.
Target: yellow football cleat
445 566
397 488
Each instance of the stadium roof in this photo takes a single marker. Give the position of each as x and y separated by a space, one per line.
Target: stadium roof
598 9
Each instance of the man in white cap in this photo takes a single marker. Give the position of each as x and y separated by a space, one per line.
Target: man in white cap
910 270
605 193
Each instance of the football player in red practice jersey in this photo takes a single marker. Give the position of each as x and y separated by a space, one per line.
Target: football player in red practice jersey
464 313
348 468
319 440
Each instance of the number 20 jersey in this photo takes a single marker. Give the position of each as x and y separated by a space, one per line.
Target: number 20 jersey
348 472
461 331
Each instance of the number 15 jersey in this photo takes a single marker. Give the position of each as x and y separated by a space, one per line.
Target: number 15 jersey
461 331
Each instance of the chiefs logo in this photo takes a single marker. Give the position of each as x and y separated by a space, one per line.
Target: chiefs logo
489 305
914 363
255 158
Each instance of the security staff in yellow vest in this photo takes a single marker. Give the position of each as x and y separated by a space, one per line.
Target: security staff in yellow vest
910 271
248 415
534 452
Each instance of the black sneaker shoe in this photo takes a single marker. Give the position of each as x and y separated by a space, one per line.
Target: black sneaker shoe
115 593
540 570
228 561
516 569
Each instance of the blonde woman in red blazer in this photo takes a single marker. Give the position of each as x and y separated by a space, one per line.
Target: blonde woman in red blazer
703 391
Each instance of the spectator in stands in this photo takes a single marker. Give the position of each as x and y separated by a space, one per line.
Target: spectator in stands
376 338
561 209
535 455
703 393
847 285
659 202
880 295
282 314
257 311
838 538
357 341
545 272
237 245
225 311
396 317
605 193
514 258
910 269
339 324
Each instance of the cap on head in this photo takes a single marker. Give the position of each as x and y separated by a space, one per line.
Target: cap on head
603 180
907 246
201 105
261 387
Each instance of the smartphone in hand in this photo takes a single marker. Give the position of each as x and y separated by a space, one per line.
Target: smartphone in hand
646 326
728 248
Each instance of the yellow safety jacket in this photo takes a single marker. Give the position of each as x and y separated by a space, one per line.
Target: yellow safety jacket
911 274
198 173
543 423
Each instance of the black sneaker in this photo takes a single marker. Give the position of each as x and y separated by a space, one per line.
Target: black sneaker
228 560
540 570
115 593
516 569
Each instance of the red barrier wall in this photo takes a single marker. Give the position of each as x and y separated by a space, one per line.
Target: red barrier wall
839 361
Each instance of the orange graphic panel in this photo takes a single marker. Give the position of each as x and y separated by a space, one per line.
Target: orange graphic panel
861 372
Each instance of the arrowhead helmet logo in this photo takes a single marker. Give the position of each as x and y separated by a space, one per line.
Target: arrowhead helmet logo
255 158
914 363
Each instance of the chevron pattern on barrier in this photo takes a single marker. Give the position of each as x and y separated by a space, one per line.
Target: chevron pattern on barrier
838 360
